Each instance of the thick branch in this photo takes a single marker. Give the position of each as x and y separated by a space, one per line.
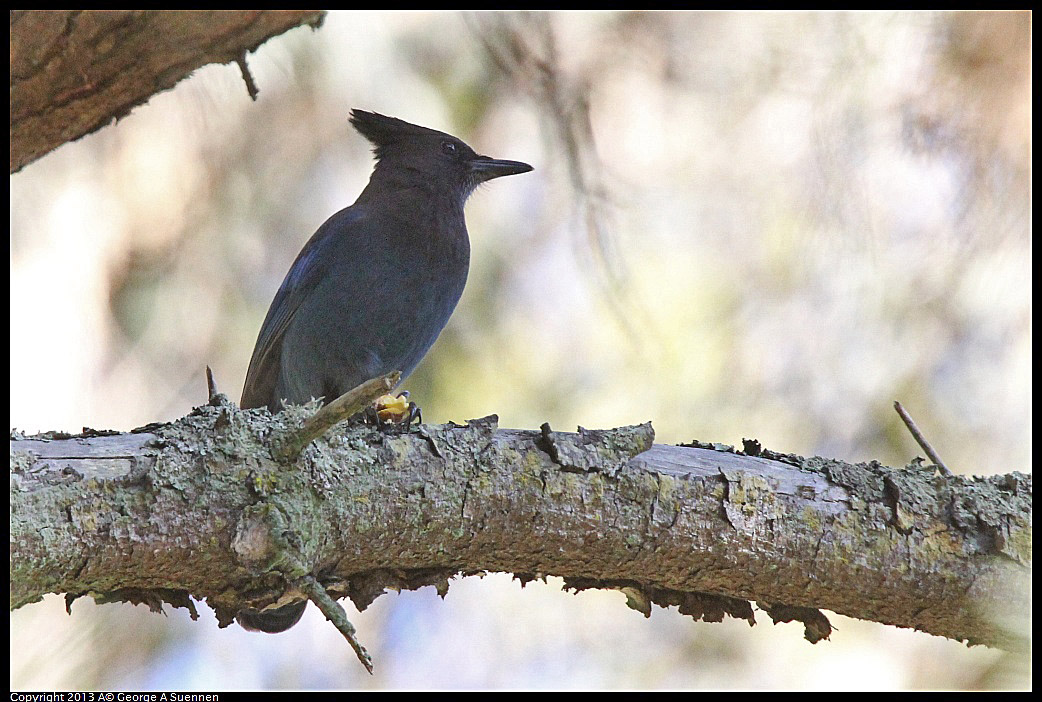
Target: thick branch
200 506
74 71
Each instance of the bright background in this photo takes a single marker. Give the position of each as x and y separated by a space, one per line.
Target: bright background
765 225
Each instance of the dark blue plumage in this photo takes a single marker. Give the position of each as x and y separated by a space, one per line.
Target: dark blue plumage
375 285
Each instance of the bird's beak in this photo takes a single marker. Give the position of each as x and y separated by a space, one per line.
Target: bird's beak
485 168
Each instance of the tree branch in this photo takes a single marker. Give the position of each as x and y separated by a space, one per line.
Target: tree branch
200 506
75 71
344 407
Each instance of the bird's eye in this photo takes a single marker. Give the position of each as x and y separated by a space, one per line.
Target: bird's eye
448 148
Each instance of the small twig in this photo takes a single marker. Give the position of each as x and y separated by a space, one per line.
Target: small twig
336 614
297 573
247 77
344 407
211 386
918 436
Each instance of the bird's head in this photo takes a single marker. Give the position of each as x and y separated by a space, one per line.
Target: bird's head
411 152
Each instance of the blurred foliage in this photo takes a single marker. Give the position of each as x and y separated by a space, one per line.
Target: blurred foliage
765 225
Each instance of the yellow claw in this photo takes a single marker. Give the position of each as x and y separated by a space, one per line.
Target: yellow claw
392 409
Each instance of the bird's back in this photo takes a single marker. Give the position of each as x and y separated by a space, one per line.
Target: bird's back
369 294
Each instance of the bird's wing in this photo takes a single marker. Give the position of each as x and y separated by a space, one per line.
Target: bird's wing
307 271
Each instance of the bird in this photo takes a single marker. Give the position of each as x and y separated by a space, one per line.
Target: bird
374 286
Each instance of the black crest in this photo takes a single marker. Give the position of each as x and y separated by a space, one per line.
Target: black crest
384 132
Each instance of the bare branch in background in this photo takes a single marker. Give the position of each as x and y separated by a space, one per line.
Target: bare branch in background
524 47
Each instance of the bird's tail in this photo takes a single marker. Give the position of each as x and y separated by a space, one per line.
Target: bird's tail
271 621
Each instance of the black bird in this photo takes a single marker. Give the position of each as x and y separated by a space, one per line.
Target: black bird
374 286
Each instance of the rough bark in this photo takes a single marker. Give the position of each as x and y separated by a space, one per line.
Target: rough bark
200 507
74 71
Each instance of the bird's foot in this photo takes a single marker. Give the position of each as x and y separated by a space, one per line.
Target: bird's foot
390 412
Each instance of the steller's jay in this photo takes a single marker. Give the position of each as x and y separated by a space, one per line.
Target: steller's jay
374 286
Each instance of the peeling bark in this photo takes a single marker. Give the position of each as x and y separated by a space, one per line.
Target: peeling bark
200 506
